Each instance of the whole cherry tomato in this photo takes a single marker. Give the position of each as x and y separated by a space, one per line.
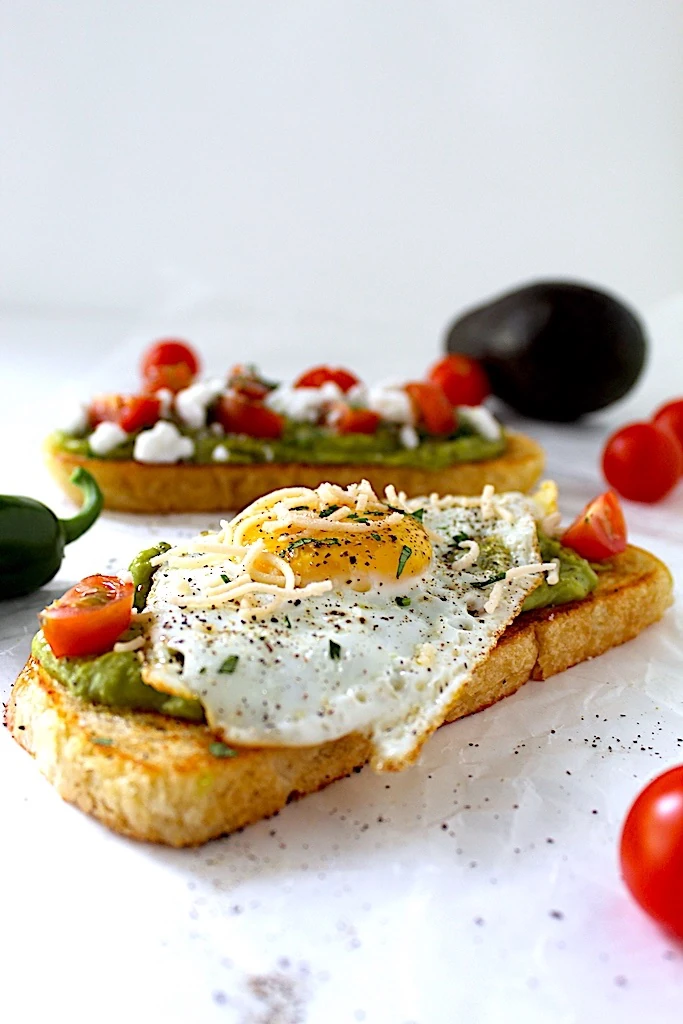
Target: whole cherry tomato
239 415
463 380
319 375
434 412
670 417
169 364
642 462
651 850
90 617
599 531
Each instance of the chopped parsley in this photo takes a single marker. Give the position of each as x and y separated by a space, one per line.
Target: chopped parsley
406 552
230 664
492 579
226 579
219 749
418 514
335 651
375 536
327 511
458 538
300 508
312 540
402 602
287 622
358 519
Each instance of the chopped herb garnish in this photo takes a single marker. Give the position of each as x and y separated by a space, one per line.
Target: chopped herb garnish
402 602
287 622
102 741
300 508
393 508
406 552
219 749
313 540
230 664
418 514
226 579
327 511
358 519
458 538
335 651
375 536
487 583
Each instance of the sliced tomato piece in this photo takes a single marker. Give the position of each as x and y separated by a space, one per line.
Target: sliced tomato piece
642 462
434 412
169 364
89 618
131 412
319 375
354 421
239 415
599 531
463 380
246 380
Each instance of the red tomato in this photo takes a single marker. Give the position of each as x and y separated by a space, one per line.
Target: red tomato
642 462
89 618
169 364
239 415
131 412
433 410
462 380
245 380
319 375
670 417
651 850
354 421
599 531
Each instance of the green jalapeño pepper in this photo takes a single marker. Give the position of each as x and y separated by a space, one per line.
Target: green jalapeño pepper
32 538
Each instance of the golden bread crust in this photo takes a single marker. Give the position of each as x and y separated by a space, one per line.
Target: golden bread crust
130 486
155 778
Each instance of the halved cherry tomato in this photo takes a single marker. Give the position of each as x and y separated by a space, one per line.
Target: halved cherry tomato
245 379
433 410
599 531
319 375
354 421
239 415
670 417
90 617
169 364
462 380
651 850
131 412
642 462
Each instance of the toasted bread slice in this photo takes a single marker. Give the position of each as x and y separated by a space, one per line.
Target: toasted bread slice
157 779
182 487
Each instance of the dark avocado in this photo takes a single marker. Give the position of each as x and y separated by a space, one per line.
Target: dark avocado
554 350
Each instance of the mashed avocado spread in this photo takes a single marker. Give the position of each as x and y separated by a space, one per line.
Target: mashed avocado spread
305 442
114 679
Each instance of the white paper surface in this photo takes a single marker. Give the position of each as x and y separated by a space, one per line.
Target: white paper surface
481 885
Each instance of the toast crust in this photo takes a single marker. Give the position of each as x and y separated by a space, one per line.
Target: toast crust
130 486
154 778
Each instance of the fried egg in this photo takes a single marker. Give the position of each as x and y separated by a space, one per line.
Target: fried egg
316 614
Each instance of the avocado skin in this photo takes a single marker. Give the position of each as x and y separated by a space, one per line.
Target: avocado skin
554 350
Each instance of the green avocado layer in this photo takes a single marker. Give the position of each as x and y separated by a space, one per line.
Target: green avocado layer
304 442
577 579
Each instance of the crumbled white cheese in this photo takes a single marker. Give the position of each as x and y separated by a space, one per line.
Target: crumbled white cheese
392 404
163 443
105 437
304 404
192 403
78 422
268 453
217 429
165 396
220 453
480 420
409 436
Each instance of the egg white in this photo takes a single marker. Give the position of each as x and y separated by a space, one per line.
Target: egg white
398 667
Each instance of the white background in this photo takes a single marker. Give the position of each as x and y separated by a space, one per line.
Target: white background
296 181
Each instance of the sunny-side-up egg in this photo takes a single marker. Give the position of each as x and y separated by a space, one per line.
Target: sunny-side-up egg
315 614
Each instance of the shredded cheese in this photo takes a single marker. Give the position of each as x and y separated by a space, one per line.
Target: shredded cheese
470 557
129 645
518 572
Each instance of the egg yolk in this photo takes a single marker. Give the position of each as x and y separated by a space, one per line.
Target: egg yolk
378 554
